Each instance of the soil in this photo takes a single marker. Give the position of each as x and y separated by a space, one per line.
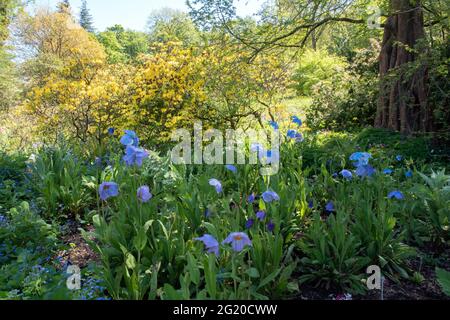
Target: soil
78 252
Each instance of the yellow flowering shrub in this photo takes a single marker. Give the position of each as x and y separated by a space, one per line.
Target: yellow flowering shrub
83 109
167 90
82 96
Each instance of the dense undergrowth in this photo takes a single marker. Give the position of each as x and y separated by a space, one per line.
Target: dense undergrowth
216 232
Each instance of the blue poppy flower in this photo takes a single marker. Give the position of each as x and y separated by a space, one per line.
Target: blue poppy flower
334 175
261 215
409 174
211 244
388 171
250 222
143 194
129 138
216 184
134 156
238 240
299 137
3 221
311 204
271 226
347 174
251 198
396 194
360 158
231 168
330 207
111 131
365 171
107 190
291 134
270 196
274 125
98 161
297 120
399 158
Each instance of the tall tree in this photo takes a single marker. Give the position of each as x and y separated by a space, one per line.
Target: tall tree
123 45
8 80
86 20
6 9
290 24
63 6
168 24
402 104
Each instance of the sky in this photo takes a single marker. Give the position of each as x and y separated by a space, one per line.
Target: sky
133 14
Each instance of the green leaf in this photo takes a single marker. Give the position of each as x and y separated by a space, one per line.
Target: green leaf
130 261
262 205
253 273
293 286
171 294
259 296
96 220
269 278
148 224
193 269
140 240
211 275
443 277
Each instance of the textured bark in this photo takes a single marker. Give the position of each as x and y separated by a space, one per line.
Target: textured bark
402 104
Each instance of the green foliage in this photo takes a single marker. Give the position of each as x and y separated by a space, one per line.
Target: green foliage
375 227
86 18
28 268
168 25
12 181
332 255
149 251
61 181
8 81
417 148
123 46
25 228
433 205
438 61
8 76
316 66
25 240
347 100
443 277
7 8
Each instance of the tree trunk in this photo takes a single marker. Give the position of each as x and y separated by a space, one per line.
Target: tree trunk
402 104
313 40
